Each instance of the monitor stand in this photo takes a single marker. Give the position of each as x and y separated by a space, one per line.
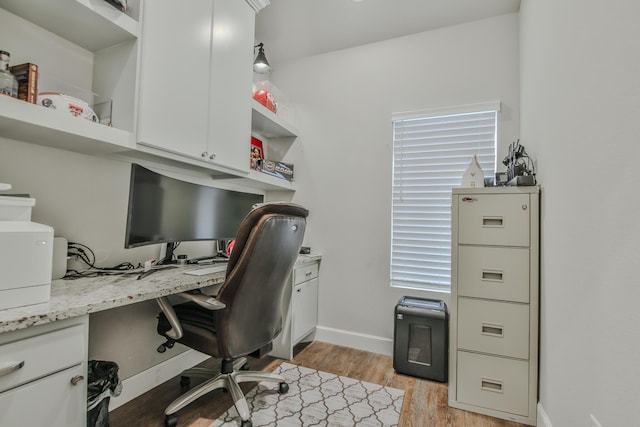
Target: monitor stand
168 257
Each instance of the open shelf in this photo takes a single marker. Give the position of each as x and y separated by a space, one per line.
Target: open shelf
268 182
32 123
91 24
268 124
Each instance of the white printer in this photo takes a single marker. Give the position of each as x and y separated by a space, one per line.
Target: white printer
26 253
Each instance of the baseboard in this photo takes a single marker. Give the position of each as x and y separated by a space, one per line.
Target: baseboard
138 384
543 418
356 340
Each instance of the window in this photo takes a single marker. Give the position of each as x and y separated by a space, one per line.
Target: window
431 151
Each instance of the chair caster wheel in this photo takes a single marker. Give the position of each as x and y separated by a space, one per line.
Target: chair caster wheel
284 387
246 423
245 367
185 382
171 421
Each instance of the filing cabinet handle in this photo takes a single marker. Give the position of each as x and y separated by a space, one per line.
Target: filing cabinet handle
488 384
493 330
492 221
308 273
11 368
469 199
492 275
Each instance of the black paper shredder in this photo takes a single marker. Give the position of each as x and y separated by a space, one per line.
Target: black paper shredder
420 340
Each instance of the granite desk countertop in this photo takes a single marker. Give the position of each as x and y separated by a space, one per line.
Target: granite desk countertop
77 297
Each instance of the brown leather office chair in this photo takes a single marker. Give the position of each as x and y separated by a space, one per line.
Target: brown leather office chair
245 315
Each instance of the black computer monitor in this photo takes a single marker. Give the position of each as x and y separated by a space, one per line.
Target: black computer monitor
163 209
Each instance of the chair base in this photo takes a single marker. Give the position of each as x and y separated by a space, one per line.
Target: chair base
229 381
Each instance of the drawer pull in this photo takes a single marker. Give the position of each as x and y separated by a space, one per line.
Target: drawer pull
492 275
493 330
11 368
492 221
77 379
308 273
491 385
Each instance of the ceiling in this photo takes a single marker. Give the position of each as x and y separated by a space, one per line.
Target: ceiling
292 29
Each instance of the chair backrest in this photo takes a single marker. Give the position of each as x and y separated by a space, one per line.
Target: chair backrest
265 250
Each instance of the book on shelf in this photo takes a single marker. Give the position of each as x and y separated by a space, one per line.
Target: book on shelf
27 76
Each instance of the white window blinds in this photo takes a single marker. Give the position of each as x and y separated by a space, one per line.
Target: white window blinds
431 151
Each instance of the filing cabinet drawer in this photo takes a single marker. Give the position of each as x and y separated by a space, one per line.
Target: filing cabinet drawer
494 273
493 382
494 219
35 357
304 273
493 327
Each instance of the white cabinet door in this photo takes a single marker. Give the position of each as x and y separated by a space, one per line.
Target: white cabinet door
231 77
174 76
195 80
53 401
305 308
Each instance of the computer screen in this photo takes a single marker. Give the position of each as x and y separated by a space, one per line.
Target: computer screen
163 209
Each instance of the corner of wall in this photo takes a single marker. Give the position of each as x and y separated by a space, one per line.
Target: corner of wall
543 418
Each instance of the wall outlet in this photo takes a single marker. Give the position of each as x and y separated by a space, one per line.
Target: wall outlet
594 421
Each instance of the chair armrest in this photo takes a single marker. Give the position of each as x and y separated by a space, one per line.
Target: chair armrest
176 329
205 301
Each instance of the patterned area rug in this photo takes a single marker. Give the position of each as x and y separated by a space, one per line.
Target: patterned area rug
318 398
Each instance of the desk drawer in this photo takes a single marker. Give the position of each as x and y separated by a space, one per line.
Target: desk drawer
305 272
493 327
493 382
52 401
494 273
31 358
494 219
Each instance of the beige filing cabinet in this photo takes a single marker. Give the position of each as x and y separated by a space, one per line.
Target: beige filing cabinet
493 354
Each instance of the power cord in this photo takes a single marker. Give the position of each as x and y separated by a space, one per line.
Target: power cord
85 254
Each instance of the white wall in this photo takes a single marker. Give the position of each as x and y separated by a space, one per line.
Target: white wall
343 158
580 110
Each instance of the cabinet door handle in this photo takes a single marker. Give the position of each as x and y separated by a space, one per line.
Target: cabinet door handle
211 157
204 154
77 379
11 368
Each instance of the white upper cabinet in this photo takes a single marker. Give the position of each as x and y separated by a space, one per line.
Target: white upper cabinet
195 81
83 48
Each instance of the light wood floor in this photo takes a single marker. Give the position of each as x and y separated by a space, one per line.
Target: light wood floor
425 403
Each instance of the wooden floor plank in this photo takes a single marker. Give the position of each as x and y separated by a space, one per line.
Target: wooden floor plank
425 402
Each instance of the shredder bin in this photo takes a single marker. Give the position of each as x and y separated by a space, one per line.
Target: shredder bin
420 341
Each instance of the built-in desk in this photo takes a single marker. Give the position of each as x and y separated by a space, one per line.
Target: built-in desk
71 298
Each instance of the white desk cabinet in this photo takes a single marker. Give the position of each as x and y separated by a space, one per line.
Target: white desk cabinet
300 309
195 85
43 375
493 354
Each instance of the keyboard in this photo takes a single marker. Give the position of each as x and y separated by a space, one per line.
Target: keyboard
207 270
